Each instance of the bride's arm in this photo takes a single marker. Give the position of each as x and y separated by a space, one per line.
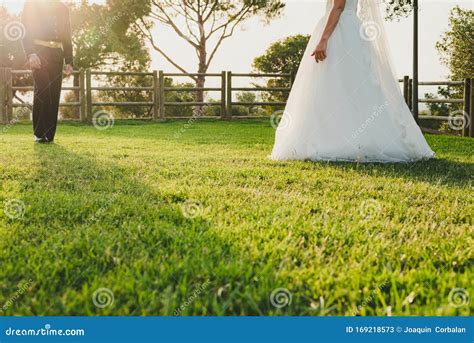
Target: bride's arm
320 53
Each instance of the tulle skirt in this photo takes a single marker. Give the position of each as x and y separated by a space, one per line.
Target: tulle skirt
339 110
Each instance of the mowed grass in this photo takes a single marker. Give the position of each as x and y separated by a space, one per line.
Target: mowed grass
198 221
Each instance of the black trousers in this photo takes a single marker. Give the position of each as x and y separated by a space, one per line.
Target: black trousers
48 83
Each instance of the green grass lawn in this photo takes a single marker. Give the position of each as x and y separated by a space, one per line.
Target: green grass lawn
198 221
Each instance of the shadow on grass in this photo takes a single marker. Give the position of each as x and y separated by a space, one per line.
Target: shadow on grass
91 226
440 171
97 227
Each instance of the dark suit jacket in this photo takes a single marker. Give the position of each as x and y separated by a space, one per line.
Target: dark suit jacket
48 21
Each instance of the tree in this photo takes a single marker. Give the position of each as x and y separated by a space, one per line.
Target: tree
456 52
203 24
438 109
101 42
174 96
12 56
398 8
248 97
456 45
285 57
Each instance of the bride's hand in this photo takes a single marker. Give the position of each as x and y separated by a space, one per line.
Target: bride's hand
320 53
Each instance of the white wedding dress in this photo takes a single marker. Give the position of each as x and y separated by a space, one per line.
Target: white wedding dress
349 107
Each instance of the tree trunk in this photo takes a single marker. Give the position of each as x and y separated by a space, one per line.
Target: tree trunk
201 80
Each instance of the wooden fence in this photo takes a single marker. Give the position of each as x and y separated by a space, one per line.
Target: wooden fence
467 101
157 91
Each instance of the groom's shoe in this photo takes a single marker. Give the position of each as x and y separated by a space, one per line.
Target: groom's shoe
39 140
49 140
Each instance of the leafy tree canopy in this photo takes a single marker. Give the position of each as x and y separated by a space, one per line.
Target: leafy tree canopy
457 44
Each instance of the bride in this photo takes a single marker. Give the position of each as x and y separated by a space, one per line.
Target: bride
346 104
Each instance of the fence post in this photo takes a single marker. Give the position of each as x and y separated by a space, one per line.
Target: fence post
471 108
156 96
410 94
3 119
223 96
406 80
9 94
89 95
467 105
292 79
162 97
229 95
82 96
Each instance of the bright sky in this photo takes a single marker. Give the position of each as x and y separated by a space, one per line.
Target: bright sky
301 16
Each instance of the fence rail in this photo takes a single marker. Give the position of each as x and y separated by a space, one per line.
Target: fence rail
85 90
467 101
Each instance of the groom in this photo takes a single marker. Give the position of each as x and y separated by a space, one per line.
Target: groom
48 45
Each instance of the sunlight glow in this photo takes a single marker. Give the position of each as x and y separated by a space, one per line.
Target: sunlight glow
15 6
